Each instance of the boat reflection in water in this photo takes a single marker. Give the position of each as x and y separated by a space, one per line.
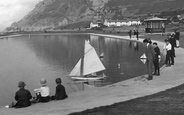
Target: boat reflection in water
32 57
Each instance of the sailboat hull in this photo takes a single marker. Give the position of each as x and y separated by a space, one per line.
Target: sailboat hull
94 78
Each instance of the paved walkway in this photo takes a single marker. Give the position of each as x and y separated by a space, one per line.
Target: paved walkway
122 91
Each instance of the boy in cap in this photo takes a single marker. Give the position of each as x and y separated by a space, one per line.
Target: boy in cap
43 92
22 96
60 91
156 61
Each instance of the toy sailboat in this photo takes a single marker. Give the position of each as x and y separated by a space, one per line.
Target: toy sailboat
89 67
143 56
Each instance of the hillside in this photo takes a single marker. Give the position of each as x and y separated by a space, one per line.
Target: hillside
56 13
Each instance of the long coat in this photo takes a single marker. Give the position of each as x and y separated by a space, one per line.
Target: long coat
150 54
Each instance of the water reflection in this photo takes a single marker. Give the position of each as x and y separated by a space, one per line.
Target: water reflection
32 57
121 58
136 46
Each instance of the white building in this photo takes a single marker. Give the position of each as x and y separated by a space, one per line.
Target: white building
122 22
92 25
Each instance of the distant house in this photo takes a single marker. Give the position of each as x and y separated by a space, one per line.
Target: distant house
97 22
94 24
154 25
127 22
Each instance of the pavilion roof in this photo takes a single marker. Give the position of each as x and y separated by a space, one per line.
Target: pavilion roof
155 19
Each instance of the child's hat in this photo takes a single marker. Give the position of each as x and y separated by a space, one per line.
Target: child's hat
43 81
21 84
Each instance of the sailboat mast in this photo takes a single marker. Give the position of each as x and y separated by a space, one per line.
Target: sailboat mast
82 61
82 64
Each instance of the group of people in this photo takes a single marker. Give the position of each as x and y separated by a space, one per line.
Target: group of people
152 53
135 34
172 42
25 99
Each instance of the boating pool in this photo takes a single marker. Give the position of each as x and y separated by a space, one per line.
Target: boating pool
30 58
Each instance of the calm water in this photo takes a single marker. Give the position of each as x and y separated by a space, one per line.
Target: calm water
30 58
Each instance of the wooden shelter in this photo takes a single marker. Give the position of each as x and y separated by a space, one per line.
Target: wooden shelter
155 25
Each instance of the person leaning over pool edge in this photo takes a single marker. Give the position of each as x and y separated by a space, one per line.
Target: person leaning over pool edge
150 54
60 91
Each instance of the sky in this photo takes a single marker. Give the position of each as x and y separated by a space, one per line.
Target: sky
14 10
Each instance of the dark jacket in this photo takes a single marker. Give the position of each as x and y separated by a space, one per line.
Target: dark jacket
172 41
22 97
60 92
157 52
177 35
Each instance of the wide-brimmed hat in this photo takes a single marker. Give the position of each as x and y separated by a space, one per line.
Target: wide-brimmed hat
21 84
43 81
58 80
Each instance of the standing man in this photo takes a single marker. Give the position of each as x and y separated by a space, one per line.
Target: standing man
130 33
150 54
168 48
137 35
173 44
177 37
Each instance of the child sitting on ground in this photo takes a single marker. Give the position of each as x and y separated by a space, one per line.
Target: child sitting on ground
60 91
43 92
22 96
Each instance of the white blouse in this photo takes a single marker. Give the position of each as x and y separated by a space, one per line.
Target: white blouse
167 47
44 91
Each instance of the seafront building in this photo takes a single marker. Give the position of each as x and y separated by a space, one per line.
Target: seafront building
155 25
117 23
128 22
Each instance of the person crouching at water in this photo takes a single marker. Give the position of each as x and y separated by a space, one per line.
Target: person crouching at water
22 96
43 92
150 54
60 91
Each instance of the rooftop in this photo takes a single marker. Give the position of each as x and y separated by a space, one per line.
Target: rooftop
155 19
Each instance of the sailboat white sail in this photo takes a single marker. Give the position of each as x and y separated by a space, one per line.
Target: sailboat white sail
91 64
143 56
